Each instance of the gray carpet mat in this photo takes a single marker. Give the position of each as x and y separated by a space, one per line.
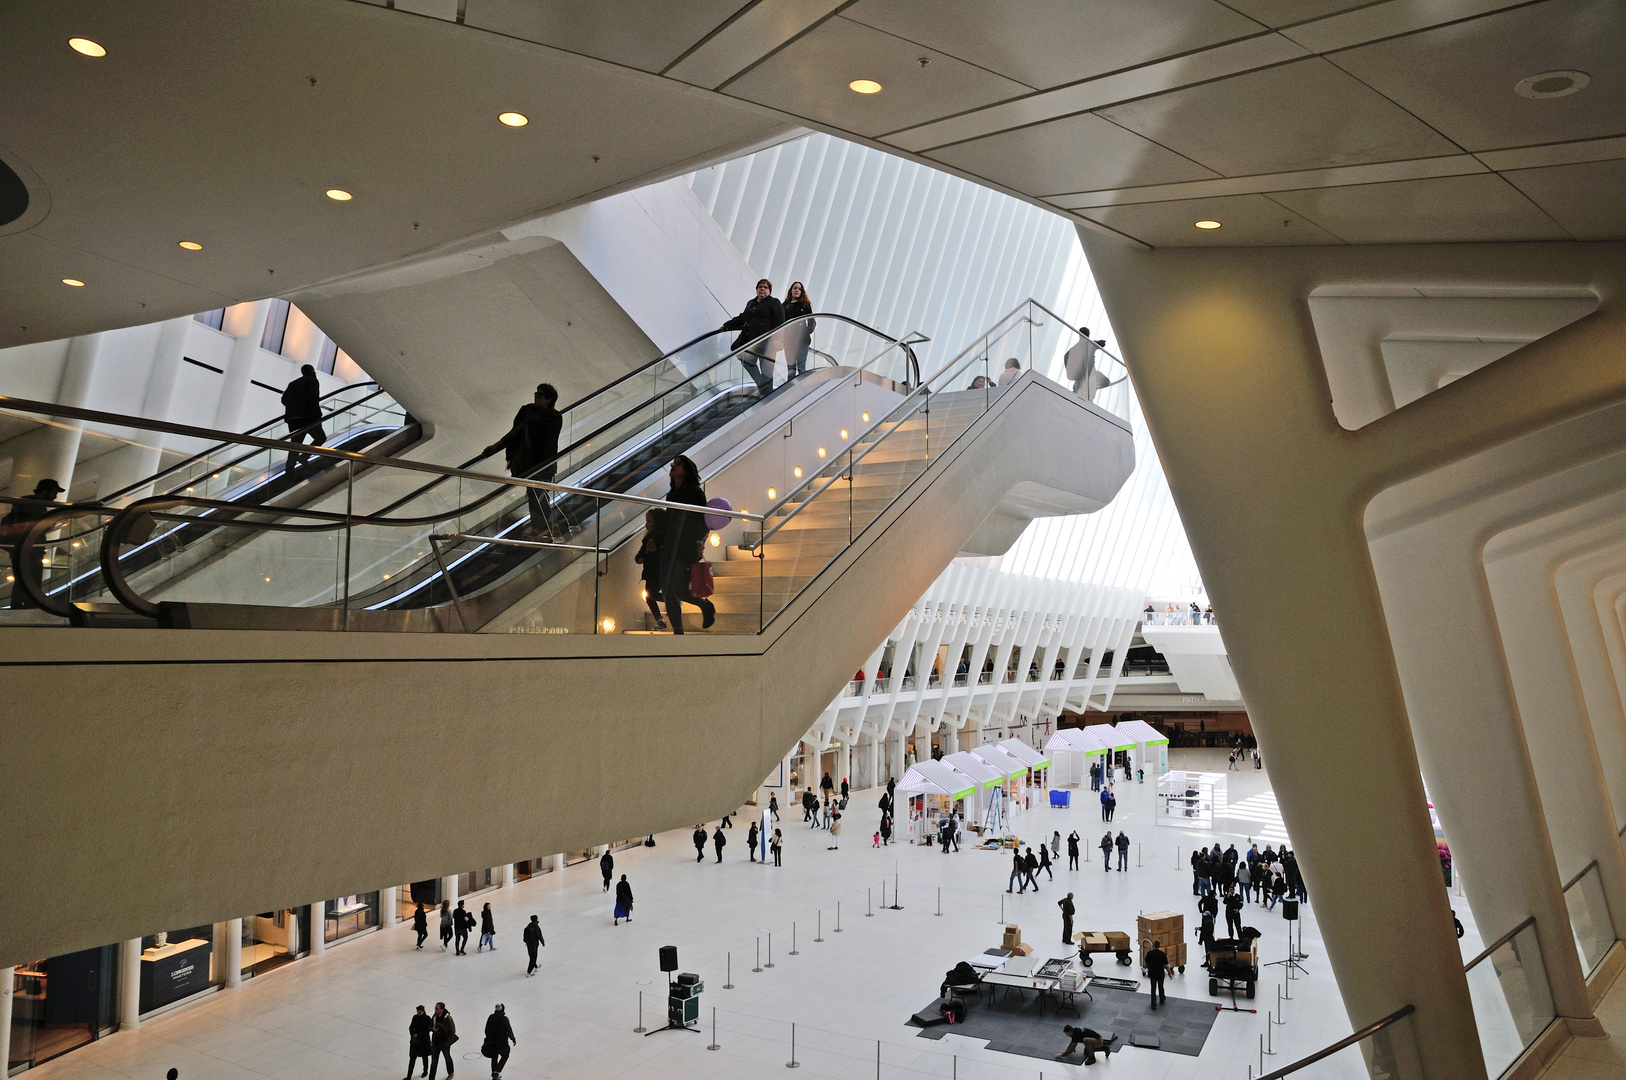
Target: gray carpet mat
1013 1025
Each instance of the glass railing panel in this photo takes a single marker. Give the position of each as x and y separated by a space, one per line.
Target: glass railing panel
1512 1001
1589 918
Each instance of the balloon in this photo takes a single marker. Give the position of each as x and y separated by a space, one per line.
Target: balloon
717 521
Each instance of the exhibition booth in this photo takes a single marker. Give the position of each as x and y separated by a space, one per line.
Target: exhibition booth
935 791
1120 748
988 810
1014 771
1037 761
1074 750
1151 749
1190 800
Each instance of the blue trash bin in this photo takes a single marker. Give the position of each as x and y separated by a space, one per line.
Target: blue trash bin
1059 797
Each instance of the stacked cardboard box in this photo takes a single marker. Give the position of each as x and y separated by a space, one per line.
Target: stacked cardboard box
1169 927
1013 941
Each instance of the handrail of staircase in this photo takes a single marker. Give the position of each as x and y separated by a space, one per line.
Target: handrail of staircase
1342 1044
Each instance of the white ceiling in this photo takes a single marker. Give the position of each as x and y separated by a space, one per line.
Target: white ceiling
1289 121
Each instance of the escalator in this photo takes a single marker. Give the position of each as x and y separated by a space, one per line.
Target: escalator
359 417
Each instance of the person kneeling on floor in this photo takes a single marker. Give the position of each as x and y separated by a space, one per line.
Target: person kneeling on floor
1092 1040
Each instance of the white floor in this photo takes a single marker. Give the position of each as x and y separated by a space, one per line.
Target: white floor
345 1014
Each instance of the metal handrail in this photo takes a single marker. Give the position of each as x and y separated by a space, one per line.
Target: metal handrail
1584 871
1498 943
1342 1044
1099 348
922 390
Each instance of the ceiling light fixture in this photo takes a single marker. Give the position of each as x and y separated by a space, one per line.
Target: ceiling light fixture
1206 223
86 47
514 119
864 86
1551 84
191 245
75 282
339 194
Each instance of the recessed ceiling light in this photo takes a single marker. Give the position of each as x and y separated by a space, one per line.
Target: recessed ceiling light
191 245
514 119
75 282
339 194
1551 84
86 47
1206 223
864 86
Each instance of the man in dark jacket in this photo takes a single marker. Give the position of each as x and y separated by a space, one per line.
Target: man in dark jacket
15 525
499 1033
533 941
762 314
1067 913
531 448
442 1035
699 843
606 866
462 923
718 840
302 412
1157 965
418 1041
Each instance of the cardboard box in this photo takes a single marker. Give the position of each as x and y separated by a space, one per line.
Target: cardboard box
1094 942
1022 950
1117 942
1175 951
1012 938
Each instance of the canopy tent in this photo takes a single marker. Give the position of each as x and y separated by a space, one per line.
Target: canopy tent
1120 747
1072 750
1151 746
1021 750
990 781
1002 760
933 788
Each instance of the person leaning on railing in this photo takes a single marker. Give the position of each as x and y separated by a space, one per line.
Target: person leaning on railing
530 448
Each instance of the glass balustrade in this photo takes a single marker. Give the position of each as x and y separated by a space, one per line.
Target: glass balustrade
1511 998
1589 918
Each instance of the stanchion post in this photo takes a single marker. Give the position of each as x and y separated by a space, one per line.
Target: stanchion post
1270 1036
818 929
1279 1019
758 968
869 908
793 951
1001 907
770 950
714 1045
838 916
793 1063
640 1029
940 900
728 980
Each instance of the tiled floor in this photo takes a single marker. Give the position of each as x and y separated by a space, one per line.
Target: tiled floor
345 1014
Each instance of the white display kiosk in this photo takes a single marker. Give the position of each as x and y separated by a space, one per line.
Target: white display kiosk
1151 751
1190 800
1114 741
933 790
1014 770
990 786
1038 763
1073 750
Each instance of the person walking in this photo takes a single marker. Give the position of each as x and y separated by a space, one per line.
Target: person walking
845 790
683 538
442 1034
797 310
1044 862
533 941
1079 363
699 843
462 923
1106 852
447 922
531 450
1106 794
623 901
1067 912
420 923
1055 844
488 930
776 845
499 1035
302 412
826 786
773 806
1123 850
1072 850
763 314
810 807
751 839
827 807
835 831
1112 804
1018 873
1196 872
15 527
418 1030
718 841
1030 866
649 557
1233 915
606 867
886 829
1157 966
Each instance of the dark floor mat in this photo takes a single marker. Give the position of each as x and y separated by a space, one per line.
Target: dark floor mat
1014 1026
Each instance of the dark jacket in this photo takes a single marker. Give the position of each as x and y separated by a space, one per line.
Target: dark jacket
606 864
1122 841
445 1030
795 309
1072 846
487 924
533 442
418 1032
623 894
302 401
498 1033
682 532
420 920
1157 962
649 557
761 314
718 838
533 934
700 839
1067 908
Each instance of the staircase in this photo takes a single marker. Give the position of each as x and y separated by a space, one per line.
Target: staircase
817 527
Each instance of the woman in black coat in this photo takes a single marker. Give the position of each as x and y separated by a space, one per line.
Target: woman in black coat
418 1036
798 335
420 923
623 900
762 314
682 538
488 930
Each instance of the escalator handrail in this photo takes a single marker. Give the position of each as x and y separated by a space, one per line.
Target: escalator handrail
179 465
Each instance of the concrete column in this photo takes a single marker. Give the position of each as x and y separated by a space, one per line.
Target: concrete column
51 451
873 748
950 738
448 888
246 322
507 874
130 984
318 927
7 979
895 748
232 929
844 764
558 862
155 405
388 901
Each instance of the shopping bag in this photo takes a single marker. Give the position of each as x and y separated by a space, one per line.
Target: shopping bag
700 581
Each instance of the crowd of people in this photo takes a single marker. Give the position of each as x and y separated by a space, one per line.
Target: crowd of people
1227 880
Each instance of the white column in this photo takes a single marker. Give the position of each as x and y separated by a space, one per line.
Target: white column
507 874
247 323
951 739
51 451
558 862
233 929
155 404
844 764
318 927
874 749
388 902
130 984
895 747
7 978
448 888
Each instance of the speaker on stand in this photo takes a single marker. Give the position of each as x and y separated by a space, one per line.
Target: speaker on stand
682 995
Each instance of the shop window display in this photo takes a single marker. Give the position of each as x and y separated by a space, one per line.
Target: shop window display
274 938
478 881
176 964
408 897
62 1003
349 915
530 868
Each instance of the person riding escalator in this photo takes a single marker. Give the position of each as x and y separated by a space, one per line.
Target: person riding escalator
530 448
682 541
762 313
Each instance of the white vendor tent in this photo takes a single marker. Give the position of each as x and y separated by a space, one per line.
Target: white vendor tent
1072 749
1151 746
1114 740
990 781
1038 762
933 788
1013 767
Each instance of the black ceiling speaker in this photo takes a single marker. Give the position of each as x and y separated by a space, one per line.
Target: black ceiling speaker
13 195
669 958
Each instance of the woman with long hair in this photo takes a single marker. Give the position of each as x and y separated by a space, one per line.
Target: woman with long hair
798 333
683 538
